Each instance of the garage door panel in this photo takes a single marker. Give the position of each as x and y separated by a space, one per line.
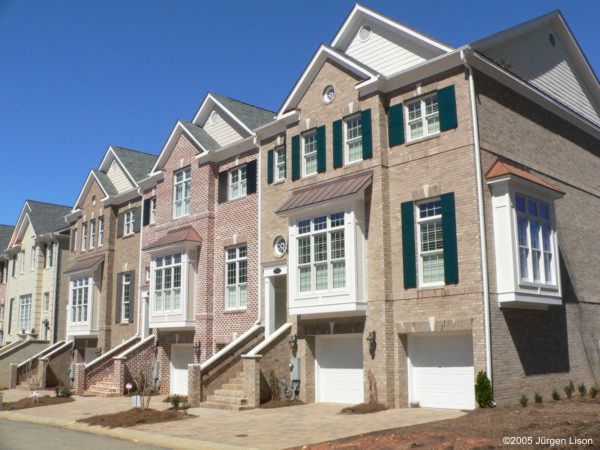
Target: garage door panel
340 369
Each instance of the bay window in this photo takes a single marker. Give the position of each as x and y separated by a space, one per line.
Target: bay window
181 193
80 297
167 283
236 277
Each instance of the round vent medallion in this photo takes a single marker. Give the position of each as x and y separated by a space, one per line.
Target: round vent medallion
364 33
279 246
214 117
328 94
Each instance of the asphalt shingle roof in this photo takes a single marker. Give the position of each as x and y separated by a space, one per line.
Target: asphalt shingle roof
138 164
6 232
252 116
47 217
200 135
108 186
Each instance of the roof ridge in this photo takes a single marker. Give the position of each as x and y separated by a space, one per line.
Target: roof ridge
47 203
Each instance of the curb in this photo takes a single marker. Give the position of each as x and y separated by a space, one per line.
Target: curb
137 436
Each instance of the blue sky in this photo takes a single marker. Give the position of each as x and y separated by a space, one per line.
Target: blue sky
76 76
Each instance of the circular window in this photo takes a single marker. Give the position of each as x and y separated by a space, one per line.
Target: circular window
328 94
364 33
214 117
279 246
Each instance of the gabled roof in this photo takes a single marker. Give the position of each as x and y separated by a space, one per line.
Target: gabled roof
323 54
252 116
207 142
47 217
502 168
138 164
107 186
6 232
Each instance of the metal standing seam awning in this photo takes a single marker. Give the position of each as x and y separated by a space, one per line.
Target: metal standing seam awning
87 263
328 190
181 235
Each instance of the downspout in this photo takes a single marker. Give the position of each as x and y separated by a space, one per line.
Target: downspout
141 302
56 264
482 230
259 193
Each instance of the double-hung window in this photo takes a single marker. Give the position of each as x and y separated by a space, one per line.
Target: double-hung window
535 241
100 231
25 313
182 193
280 162
321 247
153 210
423 117
167 284
238 184
92 233
430 243
49 255
33 258
236 277
22 256
46 301
74 240
309 153
80 300
126 297
84 236
129 222
353 139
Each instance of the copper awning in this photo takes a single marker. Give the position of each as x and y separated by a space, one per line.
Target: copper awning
86 263
501 168
186 234
328 190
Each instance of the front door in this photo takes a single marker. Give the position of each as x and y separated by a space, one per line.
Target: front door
280 303
181 356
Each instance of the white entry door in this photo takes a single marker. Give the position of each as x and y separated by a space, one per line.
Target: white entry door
181 356
441 370
339 369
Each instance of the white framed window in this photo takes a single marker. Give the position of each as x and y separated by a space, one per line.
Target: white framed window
181 193
280 164
84 236
321 244
238 183
25 313
309 153
74 241
33 258
236 277
423 117
153 210
353 139
49 255
100 231
22 256
167 283
147 274
126 297
535 239
46 301
80 296
129 222
92 233
430 242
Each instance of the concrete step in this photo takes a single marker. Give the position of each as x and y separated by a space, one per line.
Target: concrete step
227 400
104 384
225 406
233 386
229 393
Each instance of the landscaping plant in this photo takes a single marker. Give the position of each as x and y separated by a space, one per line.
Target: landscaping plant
274 386
175 400
569 389
582 389
593 392
555 395
523 400
483 391
537 397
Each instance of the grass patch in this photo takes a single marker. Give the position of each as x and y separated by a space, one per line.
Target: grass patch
42 401
281 403
364 408
133 417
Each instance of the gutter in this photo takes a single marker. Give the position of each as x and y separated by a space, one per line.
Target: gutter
481 214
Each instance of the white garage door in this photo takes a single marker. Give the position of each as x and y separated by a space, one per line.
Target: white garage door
441 370
339 369
181 356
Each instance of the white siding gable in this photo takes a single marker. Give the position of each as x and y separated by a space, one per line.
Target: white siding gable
388 52
118 177
221 131
532 57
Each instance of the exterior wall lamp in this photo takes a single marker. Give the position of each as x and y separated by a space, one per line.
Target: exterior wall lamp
372 339
293 341
197 348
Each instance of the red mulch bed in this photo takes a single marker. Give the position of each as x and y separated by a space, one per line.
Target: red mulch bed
364 408
134 417
486 428
42 401
281 403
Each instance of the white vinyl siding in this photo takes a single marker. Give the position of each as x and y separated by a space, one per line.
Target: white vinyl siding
221 131
181 193
118 178
430 243
167 284
236 277
25 313
309 153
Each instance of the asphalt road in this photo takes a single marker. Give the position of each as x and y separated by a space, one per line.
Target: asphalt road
22 435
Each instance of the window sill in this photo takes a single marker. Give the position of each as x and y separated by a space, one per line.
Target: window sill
431 287
278 182
424 138
125 236
234 200
308 177
353 163
234 310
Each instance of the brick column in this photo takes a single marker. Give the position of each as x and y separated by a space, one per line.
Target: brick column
252 380
13 376
42 367
79 379
194 384
119 374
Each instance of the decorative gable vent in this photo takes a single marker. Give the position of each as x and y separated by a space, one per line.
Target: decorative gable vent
214 117
364 33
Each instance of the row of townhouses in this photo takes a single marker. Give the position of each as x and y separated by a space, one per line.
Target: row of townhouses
413 214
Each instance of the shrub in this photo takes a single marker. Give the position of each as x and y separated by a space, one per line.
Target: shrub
593 392
175 401
555 395
537 397
523 400
483 391
63 392
274 386
185 406
582 389
569 389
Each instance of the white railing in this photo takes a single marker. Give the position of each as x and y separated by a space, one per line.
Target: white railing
57 350
255 352
225 350
135 347
44 352
111 352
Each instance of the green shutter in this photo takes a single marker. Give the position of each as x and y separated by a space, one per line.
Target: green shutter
321 150
296 157
367 140
338 144
408 245
270 166
396 125
447 107
449 235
